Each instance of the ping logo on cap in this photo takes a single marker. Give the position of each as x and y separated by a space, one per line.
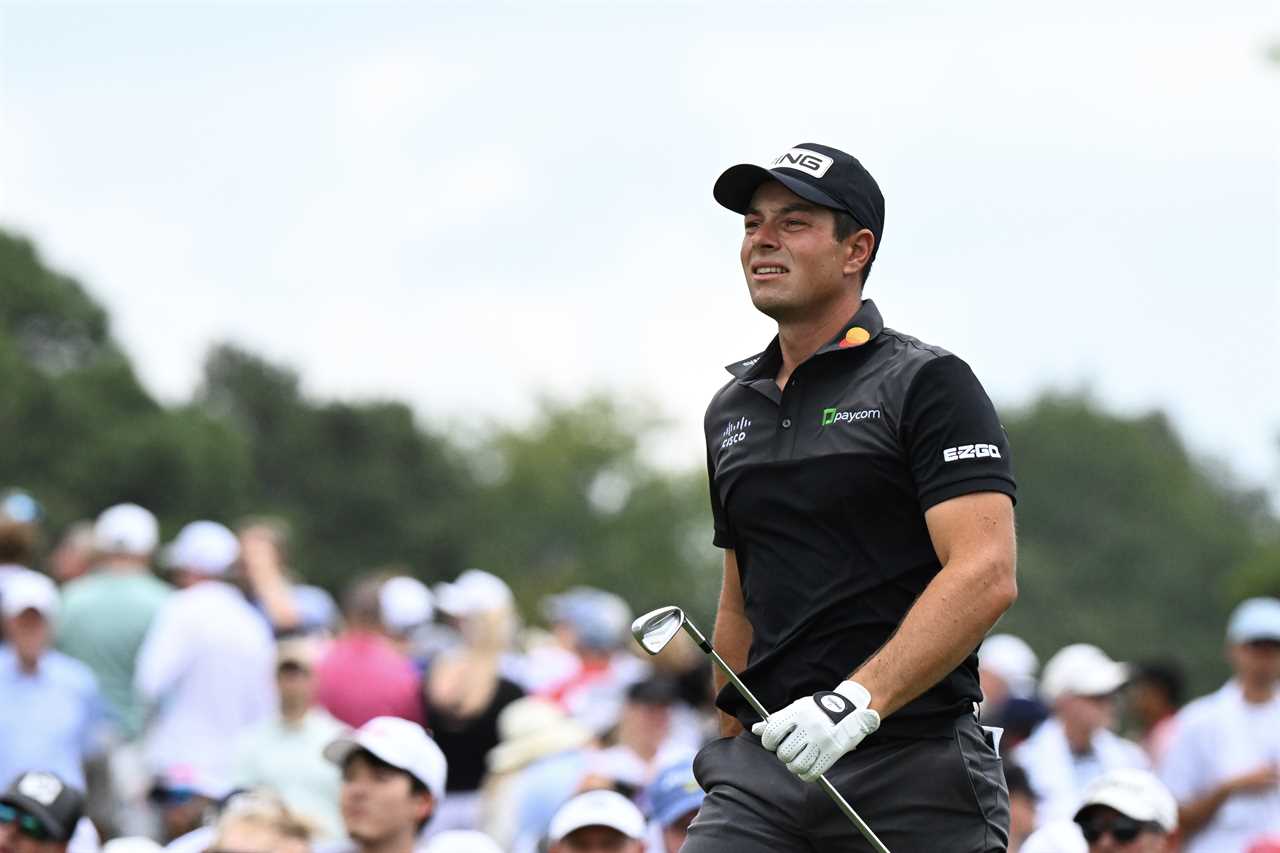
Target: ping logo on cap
804 160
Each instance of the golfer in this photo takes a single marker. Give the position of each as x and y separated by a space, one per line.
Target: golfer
862 492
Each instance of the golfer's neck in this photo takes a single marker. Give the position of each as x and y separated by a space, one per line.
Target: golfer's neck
800 337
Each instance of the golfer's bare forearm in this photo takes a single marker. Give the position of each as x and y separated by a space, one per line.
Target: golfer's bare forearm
974 538
732 637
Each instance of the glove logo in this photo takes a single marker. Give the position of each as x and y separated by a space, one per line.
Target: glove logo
832 703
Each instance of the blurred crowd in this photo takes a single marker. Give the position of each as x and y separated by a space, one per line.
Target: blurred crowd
198 696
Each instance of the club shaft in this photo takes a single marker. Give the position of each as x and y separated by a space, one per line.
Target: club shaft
746 693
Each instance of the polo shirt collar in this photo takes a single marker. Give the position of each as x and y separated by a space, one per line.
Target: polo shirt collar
863 327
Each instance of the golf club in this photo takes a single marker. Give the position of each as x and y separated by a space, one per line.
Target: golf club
655 629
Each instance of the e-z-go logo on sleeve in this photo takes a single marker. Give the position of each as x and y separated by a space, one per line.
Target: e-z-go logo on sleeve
971 451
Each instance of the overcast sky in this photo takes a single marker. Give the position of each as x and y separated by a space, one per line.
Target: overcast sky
467 205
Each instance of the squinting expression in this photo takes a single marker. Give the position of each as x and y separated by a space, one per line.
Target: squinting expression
794 266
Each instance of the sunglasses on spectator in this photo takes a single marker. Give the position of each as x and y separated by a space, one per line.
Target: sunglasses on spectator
27 825
1123 829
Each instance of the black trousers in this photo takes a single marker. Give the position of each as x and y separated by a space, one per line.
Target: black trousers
919 795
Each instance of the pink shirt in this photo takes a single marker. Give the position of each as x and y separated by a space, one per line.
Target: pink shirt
363 676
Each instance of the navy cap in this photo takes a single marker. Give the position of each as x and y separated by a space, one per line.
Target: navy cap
674 792
817 173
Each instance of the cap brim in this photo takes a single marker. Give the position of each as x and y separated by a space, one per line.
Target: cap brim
338 751
35 809
689 803
735 188
1131 807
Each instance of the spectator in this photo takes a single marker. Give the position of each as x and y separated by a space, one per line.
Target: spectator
1006 668
674 798
1022 806
1075 745
106 613
206 663
462 841
259 821
73 558
638 745
465 692
597 822
50 708
599 627
405 605
38 814
183 799
285 753
541 757
1155 694
363 675
1223 763
1123 810
393 776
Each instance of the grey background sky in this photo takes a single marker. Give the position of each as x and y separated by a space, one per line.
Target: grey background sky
466 205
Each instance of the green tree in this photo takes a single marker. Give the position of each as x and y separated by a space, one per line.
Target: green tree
1125 540
570 499
361 484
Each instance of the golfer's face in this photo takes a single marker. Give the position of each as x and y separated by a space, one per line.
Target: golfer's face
790 257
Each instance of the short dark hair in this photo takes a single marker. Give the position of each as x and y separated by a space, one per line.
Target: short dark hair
1165 676
846 226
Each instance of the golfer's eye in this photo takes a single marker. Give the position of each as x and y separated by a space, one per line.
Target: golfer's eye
752 224
794 223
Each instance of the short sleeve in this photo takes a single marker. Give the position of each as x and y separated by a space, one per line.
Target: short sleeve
1182 766
953 439
723 536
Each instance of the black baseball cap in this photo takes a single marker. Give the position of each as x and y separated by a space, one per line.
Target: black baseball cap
817 173
48 799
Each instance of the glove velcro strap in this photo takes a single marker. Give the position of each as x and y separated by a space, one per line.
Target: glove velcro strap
834 705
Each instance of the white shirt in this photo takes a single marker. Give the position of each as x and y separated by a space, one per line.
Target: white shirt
1058 777
1220 736
207 665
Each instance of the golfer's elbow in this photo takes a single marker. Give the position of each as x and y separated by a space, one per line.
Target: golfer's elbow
1000 582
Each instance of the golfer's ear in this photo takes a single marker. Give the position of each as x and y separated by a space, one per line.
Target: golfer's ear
858 248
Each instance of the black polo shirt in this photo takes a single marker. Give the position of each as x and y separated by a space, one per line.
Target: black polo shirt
821 490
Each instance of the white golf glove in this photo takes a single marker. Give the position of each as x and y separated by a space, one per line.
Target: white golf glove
810 734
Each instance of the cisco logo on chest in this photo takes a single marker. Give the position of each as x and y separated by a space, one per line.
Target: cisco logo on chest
734 432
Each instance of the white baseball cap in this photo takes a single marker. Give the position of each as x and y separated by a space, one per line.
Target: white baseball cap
134 844
206 547
1081 670
1134 793
475 591
462 841
29 590
126 529
404 603
598 808
1255 619
1012 659
400 743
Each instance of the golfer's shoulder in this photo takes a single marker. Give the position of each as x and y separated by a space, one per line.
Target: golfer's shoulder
905 360
907 350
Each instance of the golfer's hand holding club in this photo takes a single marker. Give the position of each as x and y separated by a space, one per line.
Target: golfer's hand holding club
811 734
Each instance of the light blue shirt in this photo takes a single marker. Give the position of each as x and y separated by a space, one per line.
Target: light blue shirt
49 719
